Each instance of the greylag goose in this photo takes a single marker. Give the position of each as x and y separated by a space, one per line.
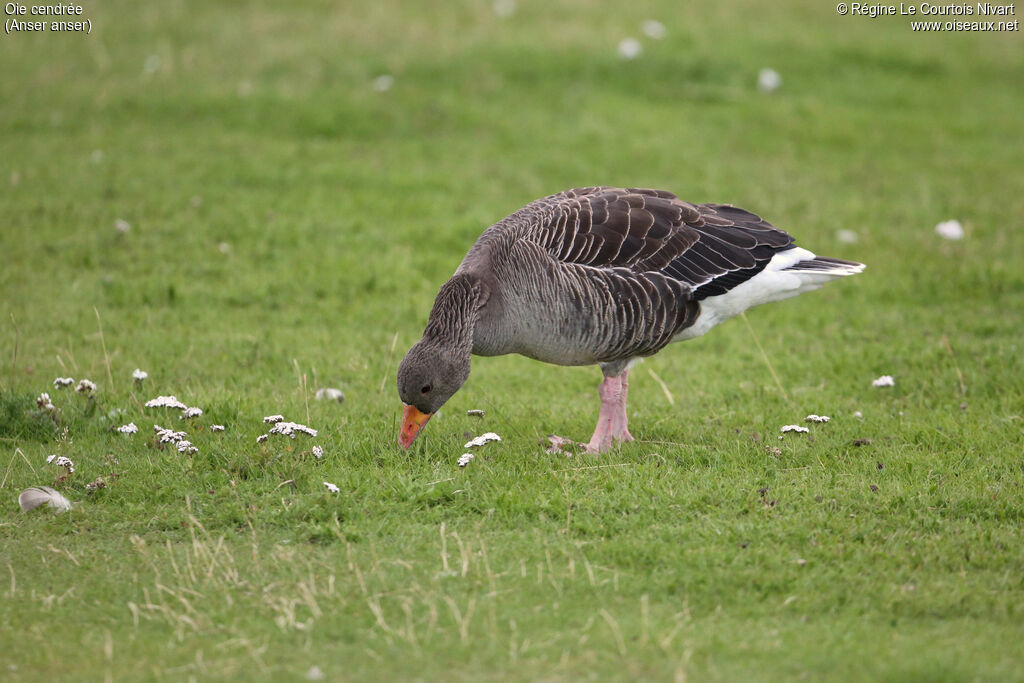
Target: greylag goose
605 276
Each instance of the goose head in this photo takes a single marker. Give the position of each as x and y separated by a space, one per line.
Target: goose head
428 376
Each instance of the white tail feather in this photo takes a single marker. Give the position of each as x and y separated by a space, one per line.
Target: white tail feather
788 274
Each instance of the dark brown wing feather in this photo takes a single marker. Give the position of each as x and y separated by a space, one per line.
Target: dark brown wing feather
709 247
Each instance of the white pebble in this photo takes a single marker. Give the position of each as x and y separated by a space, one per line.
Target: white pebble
847 236
950 230
630 48
504 8
654 29
768 80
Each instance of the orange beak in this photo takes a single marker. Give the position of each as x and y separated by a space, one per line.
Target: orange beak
412 422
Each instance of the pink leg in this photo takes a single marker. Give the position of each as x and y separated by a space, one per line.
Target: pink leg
612 423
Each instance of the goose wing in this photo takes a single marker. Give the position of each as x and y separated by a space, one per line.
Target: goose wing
710 248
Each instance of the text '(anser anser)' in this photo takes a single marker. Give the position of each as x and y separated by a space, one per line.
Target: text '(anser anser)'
604 276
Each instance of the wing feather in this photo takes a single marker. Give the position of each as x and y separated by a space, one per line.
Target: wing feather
710 248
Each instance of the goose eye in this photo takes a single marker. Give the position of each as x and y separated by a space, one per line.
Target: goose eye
426 389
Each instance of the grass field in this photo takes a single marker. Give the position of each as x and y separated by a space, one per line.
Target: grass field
290 224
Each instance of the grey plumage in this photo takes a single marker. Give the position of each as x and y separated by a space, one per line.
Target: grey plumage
604 275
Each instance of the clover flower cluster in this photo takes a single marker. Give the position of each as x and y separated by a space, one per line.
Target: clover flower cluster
482 439
168 435
166 402
62 461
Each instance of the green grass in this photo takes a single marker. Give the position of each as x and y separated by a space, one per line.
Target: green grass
289 228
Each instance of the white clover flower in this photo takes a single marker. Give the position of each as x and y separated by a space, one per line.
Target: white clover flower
262 437
859 415
817 418
475 413
216 428
950 230
44 402
794 428
482 439
768 80
95 485
85 386
331 487
383 83
630 48
187 447
166 402
654 29
884 381
51 458
189 413
139 375
129 428
66 463
465 459
168 435
122 226
318 452
273 419
63 382
289 429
